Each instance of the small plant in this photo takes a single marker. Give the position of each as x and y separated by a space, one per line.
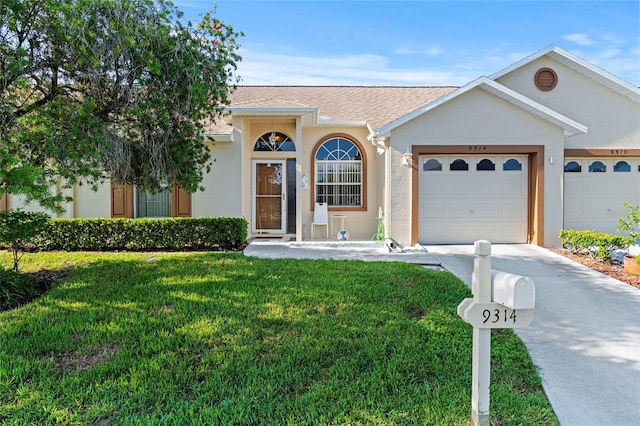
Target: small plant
631 224
18 228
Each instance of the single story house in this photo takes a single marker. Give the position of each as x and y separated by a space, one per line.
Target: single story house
550 142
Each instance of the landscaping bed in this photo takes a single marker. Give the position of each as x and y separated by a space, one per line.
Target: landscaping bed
610 267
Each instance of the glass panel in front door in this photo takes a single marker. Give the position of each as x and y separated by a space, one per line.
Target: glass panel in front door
269 196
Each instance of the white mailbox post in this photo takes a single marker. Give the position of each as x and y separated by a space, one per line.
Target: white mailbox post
500 300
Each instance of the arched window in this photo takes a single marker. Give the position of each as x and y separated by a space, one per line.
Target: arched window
512 165
572 167
622 166
432 165
274 141
339 173
486 165
597 167
458 165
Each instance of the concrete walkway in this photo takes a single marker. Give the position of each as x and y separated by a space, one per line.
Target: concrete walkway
585 339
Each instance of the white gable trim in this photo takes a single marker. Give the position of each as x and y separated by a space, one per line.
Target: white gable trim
570 126
580 65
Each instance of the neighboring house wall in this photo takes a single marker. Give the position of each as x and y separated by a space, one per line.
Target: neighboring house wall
468 124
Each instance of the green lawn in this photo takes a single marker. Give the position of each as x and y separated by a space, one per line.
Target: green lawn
216 338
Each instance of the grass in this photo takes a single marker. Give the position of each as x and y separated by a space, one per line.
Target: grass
215 338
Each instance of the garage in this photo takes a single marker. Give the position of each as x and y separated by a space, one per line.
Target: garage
596 189
466 198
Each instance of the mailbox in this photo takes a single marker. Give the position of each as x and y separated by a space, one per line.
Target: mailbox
511 290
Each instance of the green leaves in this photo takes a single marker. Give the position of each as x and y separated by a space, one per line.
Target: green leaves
95 89
18 228
631 222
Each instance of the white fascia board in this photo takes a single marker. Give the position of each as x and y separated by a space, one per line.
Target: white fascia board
272 112
218 137
580 65
341 123
309 115
570 126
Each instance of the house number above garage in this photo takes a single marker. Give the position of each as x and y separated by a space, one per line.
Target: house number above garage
477 148
619 151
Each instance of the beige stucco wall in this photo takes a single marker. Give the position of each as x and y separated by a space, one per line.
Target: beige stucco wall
477 118
89 203
19 202
360 224
613 119
221 197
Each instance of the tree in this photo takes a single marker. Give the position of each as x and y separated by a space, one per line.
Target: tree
108 89
18 228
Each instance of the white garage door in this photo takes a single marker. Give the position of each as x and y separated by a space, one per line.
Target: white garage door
595 190
466 198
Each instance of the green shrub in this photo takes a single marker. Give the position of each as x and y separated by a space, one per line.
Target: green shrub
16 288
143 234
18 229
596 244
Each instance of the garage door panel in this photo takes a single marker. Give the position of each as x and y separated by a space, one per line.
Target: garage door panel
513 186
573 186
432 185
596 200
486 204
458 185
432 209
514 209
486 187
574 208
597 186
456 208
485 209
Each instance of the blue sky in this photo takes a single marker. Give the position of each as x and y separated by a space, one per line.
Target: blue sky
420 43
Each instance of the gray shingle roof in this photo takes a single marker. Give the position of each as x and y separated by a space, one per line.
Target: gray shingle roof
378 105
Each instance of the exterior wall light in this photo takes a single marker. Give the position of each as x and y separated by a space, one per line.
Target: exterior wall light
407 157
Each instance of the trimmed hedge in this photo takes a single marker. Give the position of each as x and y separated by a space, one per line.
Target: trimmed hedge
143 234
596 244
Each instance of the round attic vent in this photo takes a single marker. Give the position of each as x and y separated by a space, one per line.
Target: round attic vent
546 79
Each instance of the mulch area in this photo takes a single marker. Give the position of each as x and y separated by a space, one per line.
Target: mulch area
614 270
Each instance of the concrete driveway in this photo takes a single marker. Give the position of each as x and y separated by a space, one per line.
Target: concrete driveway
585 338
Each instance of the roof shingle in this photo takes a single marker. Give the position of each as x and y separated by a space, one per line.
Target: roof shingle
378 105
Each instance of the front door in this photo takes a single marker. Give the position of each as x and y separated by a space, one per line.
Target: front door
269 196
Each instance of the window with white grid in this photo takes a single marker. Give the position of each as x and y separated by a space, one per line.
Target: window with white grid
339 173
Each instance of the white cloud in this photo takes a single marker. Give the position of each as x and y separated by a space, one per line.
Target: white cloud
262 68
579 39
